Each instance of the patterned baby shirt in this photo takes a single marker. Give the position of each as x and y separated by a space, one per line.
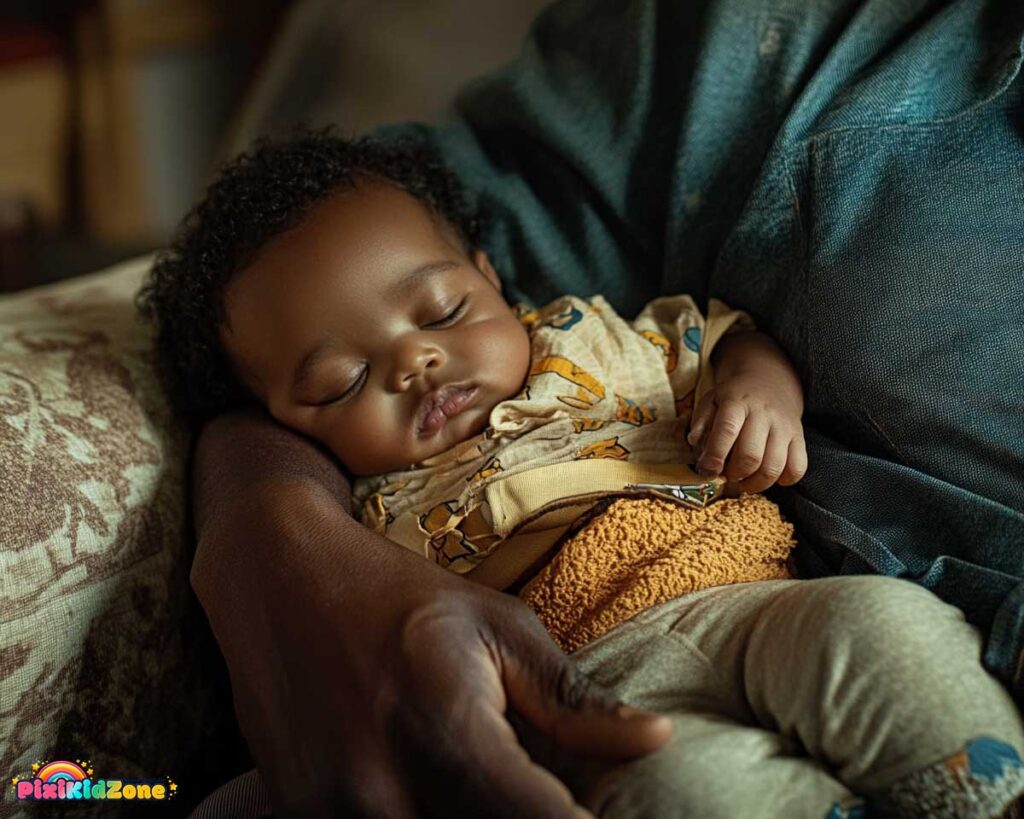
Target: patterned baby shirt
606 401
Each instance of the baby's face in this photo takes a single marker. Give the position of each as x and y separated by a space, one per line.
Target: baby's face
369 328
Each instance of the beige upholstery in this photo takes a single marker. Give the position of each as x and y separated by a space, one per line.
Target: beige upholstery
104 653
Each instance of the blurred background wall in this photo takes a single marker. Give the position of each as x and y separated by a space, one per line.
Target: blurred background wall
115 113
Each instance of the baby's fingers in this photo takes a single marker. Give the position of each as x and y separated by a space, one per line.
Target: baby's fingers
701 418
725 430
796 463
748 452
772 465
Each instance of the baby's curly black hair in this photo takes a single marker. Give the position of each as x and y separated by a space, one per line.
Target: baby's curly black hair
256 196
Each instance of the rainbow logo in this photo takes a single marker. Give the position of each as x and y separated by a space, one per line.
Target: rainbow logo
60 769
65 780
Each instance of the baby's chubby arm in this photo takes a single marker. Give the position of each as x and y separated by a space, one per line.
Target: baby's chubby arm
747 427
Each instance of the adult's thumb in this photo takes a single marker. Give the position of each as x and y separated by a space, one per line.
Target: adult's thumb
576 713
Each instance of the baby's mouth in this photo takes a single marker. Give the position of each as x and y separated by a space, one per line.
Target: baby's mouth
439 405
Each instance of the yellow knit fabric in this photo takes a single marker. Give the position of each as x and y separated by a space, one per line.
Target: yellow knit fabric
639 552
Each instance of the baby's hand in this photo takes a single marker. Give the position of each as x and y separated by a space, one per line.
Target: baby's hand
759 424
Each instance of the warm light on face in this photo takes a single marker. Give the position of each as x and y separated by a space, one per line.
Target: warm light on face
369 321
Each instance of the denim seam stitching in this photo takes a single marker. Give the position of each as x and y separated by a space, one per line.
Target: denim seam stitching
930 123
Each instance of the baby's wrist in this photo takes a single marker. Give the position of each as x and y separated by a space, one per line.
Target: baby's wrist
750 363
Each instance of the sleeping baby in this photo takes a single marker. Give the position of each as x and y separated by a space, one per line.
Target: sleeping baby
605 470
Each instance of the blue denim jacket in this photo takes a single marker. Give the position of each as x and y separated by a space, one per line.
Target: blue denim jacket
852 174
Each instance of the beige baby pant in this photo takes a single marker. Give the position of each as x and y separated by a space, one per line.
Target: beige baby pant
849 696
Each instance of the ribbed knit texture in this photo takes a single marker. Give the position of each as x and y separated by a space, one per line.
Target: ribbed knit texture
640 552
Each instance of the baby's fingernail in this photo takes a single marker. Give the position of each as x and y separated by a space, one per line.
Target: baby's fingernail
704 472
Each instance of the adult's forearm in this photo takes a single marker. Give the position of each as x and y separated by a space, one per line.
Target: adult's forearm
277 552
247 471
366 678
264 501
270 505
272 521
246 451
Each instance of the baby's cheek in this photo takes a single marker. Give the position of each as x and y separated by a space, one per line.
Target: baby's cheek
372 441
502 350
518 343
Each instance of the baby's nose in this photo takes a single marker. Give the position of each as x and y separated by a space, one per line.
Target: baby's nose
415 364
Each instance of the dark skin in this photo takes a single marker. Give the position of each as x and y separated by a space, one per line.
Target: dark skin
339 282
367 680
342 324
391 677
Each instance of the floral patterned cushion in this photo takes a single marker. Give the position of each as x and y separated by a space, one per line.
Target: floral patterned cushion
104 653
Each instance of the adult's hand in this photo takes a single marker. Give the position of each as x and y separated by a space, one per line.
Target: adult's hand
367 680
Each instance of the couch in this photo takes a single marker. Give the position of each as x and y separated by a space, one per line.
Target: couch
105 655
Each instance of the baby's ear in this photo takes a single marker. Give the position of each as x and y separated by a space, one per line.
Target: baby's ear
483 264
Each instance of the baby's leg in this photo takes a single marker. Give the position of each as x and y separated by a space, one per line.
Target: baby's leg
717 768
880 679
719 763
876 679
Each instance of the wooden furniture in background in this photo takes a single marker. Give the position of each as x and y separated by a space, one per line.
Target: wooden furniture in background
34 138
112 37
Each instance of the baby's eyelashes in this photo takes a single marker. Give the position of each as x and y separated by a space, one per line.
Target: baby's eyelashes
350 392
